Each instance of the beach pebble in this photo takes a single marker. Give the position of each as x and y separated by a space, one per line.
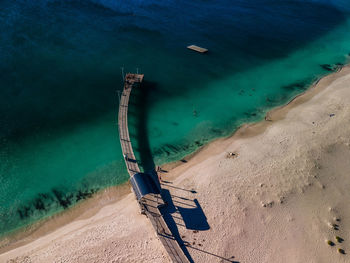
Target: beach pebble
320 185
269 204
281 199
231 155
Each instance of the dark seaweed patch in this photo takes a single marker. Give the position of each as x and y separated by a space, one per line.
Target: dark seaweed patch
172 148
329 67
276 100
250 114
241 92
186 147
39 204
24 212
43 201
169 148
216 131
81 195
198 143
300 85
64 201
68 199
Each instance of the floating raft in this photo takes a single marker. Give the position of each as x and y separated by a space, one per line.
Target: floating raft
198 49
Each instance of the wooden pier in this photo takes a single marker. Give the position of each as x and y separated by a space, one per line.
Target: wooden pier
151 202
130 81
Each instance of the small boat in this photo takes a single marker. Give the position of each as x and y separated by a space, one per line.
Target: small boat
198 49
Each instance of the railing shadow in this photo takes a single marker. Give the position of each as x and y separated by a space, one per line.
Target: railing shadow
214 255
178 188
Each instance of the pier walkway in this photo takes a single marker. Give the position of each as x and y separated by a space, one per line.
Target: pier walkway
131 80
149 200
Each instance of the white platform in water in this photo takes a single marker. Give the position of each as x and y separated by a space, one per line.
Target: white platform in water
197 48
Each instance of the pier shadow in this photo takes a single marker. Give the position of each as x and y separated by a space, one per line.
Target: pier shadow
194 218
140 102
190 211
179 211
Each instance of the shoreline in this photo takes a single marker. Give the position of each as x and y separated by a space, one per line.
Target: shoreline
277 113
113 194
82 210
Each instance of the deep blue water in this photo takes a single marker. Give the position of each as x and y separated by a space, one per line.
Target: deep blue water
60 68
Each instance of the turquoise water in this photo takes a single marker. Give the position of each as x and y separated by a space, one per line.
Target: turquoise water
61 67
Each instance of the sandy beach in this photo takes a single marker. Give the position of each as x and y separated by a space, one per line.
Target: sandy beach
275 191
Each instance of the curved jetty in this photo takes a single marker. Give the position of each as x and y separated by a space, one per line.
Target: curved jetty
146 186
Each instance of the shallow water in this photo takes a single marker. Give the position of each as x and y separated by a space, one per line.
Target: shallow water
60 69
